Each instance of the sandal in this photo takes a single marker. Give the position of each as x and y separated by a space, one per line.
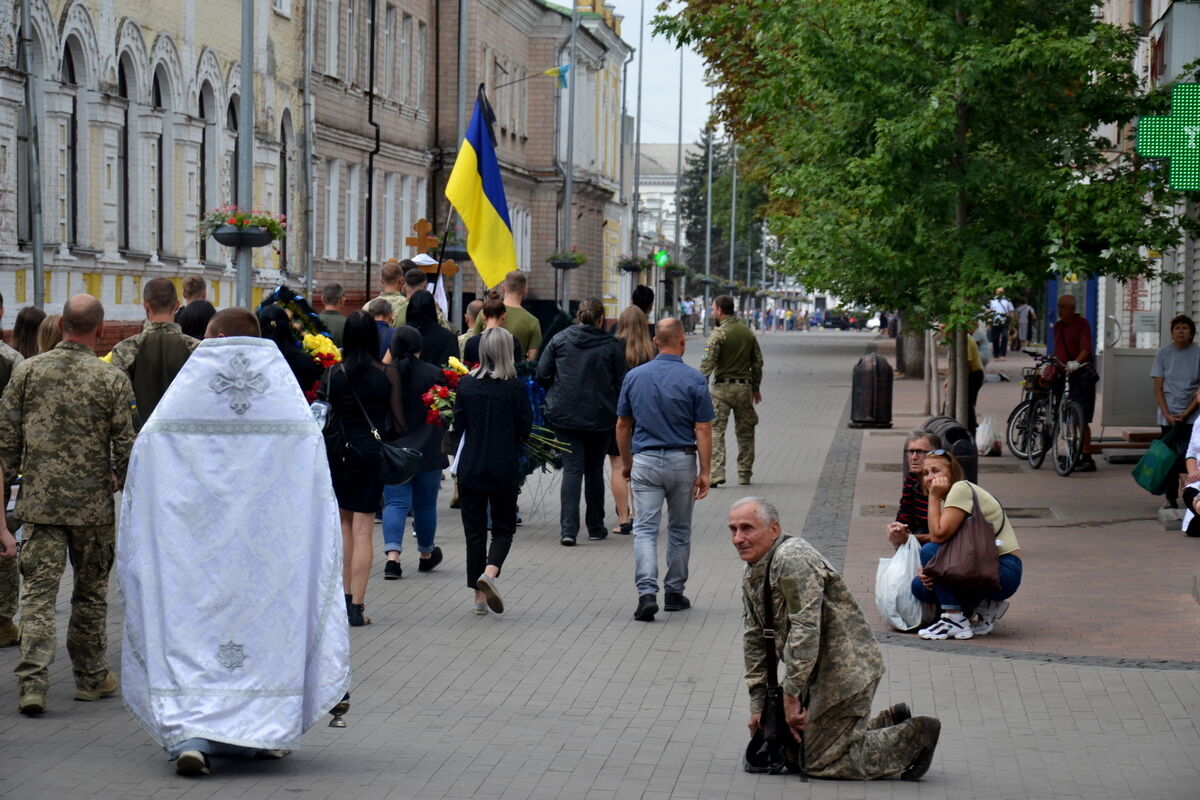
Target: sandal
624 529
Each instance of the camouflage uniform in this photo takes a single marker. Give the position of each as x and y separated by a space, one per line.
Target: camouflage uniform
9 582
732 356
829 655
66 425
165 360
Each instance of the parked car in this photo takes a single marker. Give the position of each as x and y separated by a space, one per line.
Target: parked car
834 319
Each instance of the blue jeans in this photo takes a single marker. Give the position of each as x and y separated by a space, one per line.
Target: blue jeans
421 494
658 476
951 600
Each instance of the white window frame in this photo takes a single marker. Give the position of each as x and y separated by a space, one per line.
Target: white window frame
420 56
333 18
406 35
406 208
352 41
282 7
353 206
389 50
333 197
389 216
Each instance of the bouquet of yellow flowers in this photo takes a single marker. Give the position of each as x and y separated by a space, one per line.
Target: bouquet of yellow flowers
322 349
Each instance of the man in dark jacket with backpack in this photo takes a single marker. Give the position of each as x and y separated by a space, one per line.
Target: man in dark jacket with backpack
583 367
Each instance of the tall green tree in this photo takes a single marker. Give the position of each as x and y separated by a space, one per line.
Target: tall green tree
919 153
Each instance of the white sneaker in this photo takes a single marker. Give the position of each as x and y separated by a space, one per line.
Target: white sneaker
192 763
988 613
951 625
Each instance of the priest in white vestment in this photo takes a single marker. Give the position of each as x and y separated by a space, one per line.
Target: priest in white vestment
229 557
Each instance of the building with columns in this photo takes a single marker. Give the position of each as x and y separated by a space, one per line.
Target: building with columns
138 138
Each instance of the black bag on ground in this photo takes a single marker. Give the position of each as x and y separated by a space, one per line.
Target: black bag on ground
772 747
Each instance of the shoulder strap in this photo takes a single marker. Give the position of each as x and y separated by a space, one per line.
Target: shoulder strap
768 634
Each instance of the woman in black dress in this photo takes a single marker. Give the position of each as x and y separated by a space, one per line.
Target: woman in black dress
363 395
492 411
437 343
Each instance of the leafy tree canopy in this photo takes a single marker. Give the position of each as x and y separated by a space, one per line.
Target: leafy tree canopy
918 153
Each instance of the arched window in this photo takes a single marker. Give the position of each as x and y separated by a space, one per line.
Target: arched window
231 125
284 185
70 153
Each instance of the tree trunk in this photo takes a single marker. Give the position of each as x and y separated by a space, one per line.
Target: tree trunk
951 379
962 398
910 341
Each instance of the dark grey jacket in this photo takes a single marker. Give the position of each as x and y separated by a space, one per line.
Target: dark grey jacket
583 367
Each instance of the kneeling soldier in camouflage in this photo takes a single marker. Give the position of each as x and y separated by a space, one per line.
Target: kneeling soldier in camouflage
829 655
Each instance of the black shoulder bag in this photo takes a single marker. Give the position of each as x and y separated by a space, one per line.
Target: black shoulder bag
397 464
772 748
331 424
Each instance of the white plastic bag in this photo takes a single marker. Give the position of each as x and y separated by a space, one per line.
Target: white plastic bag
893 587
986 439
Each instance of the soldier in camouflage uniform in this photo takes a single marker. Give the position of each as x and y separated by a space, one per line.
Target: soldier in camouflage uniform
391 275
831 663
733 358
66 426
154 357
9 582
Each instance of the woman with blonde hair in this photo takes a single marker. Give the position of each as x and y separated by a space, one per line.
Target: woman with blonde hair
633 332
491 410
49 333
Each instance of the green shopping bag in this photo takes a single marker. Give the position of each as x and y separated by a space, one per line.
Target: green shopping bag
1158 465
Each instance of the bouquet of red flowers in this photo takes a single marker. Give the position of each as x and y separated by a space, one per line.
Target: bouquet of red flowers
439 401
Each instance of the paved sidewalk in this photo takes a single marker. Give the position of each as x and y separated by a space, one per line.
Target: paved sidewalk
566 696
1102 578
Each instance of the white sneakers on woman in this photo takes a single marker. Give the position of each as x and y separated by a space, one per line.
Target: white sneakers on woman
951 625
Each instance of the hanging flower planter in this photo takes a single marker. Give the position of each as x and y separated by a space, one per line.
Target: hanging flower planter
567 259
632 264
233 236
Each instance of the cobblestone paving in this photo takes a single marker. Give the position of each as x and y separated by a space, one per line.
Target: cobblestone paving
566 696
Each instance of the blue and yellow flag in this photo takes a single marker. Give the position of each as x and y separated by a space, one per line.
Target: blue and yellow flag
477 194
560 73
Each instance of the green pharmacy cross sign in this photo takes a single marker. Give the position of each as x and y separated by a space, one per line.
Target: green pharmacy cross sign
662 258
1175 137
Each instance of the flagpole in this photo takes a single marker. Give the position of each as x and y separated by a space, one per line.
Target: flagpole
569 176
463 47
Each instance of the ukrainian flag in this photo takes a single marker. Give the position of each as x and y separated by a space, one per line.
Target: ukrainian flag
477 194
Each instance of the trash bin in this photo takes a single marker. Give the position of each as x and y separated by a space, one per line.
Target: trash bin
871 395
958 440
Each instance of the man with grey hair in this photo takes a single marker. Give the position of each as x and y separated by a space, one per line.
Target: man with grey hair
664 422
831 663
913 512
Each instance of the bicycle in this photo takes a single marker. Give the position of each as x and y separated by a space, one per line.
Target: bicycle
1053 420
1032 389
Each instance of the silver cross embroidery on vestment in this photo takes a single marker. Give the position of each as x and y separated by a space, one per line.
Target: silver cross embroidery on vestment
231 656
239 383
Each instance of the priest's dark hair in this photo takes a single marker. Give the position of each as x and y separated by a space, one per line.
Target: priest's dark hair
360 342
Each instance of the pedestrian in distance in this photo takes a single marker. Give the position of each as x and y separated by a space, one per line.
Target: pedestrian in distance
1073 346
1176 376
632 333
229 556
365 399
582 368
664 426
333 301
1001 317
831 663
965 612
1026 317
491 411
734 360
420 494
643 298
66 426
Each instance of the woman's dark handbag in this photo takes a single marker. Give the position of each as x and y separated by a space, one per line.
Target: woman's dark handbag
969 559
772 747
335 435
397 464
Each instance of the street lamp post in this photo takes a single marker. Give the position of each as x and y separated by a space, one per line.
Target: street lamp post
245 167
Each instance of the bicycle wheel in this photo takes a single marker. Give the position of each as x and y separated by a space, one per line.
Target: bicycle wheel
1016 434
1068 438
1040 427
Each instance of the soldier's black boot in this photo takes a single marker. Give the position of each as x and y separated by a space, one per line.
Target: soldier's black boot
647 608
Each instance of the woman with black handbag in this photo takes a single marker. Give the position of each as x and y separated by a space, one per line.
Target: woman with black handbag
972 562
365 401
